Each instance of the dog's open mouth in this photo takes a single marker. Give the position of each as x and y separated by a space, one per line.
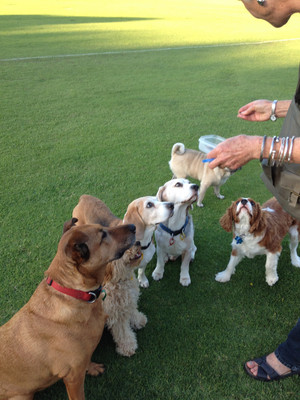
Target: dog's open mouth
136 256
192 199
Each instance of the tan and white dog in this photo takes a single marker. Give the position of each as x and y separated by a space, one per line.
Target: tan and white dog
189 163
121 302
259 230
145 213
176 237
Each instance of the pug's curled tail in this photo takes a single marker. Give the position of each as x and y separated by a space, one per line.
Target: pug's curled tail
178 148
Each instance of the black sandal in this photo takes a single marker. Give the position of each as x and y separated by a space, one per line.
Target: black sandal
266 373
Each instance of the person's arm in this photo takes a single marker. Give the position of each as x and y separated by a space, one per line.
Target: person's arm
261 110
239 150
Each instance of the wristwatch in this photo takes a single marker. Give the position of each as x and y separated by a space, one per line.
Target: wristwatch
273 116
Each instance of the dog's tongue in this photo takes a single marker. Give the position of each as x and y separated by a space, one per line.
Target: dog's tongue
138 255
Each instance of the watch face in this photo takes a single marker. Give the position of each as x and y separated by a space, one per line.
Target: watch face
273 117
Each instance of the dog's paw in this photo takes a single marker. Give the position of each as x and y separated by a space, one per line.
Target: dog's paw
157 275
144 283
127 348
200 205
222 277
296 261
95 369
220 196
139 321
271 280
185 280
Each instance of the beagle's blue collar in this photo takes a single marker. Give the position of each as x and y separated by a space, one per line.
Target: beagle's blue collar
175 233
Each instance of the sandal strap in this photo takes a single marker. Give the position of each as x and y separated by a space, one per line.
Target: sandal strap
265 369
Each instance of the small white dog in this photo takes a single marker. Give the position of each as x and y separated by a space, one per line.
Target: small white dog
121 302
187 162
176 236
259 230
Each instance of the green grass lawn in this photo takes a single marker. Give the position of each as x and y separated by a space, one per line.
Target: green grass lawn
104 124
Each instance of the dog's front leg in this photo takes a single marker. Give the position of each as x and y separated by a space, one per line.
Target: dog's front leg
158 273
271 268
225 275
137 319
185 279
75 386
202 191
294 240
124 337
142 278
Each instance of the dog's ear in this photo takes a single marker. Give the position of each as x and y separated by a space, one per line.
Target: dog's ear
77 249
109 271
227 220
160 193
68 224
134 216
258 220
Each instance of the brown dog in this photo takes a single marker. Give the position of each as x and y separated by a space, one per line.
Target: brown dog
54 335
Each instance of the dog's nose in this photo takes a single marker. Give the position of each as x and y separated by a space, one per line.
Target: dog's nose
170 206
244 201
131 228
195 187
138 243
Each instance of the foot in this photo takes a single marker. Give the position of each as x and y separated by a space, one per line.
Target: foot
273 361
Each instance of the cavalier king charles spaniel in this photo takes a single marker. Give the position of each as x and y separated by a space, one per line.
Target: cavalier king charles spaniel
259 230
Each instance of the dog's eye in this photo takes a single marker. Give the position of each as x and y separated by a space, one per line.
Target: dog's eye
252 203
150 205
104 234
178 184
237 202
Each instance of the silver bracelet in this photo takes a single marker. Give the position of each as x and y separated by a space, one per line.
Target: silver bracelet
281 151
285 148
291 149
273 116
272 152
262 148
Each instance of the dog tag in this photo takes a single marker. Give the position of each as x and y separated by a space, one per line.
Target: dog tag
171 241
182 236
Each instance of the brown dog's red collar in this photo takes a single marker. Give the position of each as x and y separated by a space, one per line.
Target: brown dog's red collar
89 297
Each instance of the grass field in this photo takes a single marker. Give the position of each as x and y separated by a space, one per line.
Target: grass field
93 96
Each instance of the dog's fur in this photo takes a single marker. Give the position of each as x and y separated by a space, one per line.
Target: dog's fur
145 213
259 230
121 302
189 163
182 193
54 335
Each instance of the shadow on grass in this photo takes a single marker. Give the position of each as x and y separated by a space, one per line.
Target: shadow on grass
12 22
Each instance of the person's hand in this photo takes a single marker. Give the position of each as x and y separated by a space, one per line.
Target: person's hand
235 152
258 110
